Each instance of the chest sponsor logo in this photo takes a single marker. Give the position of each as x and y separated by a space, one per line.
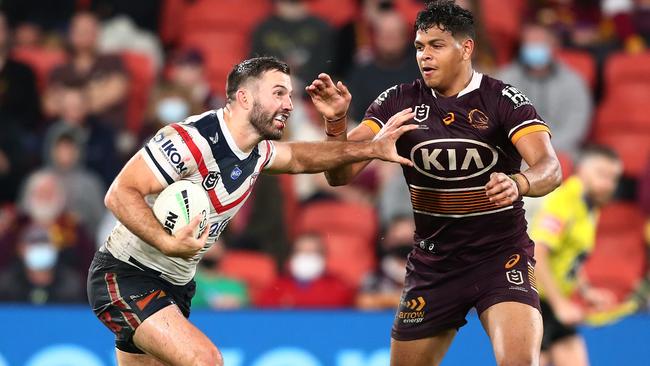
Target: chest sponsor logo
421 112
235 173
174 156
478 119
453 159
518 98
210 181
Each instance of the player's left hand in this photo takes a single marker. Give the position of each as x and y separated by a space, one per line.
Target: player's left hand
331 101
501 190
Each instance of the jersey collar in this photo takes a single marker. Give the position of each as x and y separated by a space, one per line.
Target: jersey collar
231 142
474 84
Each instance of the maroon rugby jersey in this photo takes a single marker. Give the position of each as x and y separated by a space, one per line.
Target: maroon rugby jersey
460 142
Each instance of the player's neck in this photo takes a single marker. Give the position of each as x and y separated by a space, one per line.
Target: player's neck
242 132
458 84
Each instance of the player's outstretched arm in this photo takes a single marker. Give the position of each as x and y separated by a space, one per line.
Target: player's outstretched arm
315 157
125 198
543 175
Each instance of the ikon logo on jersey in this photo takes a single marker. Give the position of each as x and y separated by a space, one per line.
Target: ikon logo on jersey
173 156
453 159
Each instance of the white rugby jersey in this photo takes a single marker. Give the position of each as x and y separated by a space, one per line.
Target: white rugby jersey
202 150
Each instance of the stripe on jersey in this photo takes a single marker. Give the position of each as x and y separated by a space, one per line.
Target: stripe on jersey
118 301
374 126
200 162
162 171
528 130
451 203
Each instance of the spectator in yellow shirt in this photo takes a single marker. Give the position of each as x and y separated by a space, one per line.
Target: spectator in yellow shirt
564 231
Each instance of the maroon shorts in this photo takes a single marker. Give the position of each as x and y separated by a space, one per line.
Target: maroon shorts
436 299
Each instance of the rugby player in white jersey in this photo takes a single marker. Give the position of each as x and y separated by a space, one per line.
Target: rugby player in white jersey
140 283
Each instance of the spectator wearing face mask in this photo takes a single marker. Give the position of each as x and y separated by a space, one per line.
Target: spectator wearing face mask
383 288
38 277
213 289
559 94
307 283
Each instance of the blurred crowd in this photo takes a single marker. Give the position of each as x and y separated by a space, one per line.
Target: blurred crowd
83 83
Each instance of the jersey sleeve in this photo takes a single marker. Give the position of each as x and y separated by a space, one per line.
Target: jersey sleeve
517 115
383 108
267 152
168 156
549 223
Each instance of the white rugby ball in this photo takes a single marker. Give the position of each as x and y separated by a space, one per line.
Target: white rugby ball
179 203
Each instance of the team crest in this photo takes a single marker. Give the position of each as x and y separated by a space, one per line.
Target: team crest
478 119
210 181
421 113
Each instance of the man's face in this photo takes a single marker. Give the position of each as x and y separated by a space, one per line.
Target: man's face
272 104
600 176
439 56
83 32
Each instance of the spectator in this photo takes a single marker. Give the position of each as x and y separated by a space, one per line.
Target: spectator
98 142
307 284
38 277
559 94
187 70
213 289
383 289
84 190
296 37
564 230
392 62
103 76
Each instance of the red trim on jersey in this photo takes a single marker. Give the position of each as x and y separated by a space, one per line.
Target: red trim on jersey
200 162
113 294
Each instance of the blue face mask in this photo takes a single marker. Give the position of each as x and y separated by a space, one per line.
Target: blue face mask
39 257
172 110
536 55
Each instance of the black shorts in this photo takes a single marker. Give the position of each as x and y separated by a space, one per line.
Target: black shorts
554 330
123 296
436 298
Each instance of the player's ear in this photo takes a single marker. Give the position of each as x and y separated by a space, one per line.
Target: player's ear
467 48
244 98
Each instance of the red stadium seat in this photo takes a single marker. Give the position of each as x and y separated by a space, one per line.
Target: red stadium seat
336 13
623 113
258 270
349 231
142 76
634 149
227 16
41 60
171 20
502 20
581 62
622 69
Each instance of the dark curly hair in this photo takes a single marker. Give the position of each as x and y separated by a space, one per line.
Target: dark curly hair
252 68
447 16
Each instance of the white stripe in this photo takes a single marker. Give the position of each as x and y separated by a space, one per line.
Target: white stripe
464 215
229 139
474 84
525 123
448 189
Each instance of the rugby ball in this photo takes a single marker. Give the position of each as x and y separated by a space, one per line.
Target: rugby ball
179 203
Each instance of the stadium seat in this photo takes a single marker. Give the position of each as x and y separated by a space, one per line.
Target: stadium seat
622 69
257 269
171 21
581 62
142 76
623 113
41 60
633 148
227 16
349 231
502 21
336 13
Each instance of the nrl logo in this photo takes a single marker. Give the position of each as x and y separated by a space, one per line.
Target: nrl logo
211 179
421 113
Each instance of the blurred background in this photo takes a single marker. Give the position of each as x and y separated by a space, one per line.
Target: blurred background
307 274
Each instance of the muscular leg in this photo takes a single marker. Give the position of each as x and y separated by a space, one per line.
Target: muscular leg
569 351
421 352
172 339
515 330
124 358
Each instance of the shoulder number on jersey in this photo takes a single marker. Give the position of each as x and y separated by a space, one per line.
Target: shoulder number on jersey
518 98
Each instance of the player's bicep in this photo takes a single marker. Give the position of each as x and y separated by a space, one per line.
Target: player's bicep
282 159
535 146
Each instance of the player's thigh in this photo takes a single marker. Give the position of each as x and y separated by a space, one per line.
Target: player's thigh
134 359
515 330
170 337
569 351
421 352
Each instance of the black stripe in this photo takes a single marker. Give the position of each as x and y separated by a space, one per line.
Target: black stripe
162 171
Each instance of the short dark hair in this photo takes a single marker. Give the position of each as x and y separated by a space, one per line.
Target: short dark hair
591 150
447 16
252 68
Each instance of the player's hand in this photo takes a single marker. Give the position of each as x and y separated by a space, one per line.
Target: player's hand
331 101
599 298
183 244
501 190
568 312
384 142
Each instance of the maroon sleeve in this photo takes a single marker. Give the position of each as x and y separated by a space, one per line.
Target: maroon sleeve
517 115
383 108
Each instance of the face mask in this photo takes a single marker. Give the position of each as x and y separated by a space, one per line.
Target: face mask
40 257
172 110
393 268
536 55
307 266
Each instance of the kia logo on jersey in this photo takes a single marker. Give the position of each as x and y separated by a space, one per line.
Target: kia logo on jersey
453 159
